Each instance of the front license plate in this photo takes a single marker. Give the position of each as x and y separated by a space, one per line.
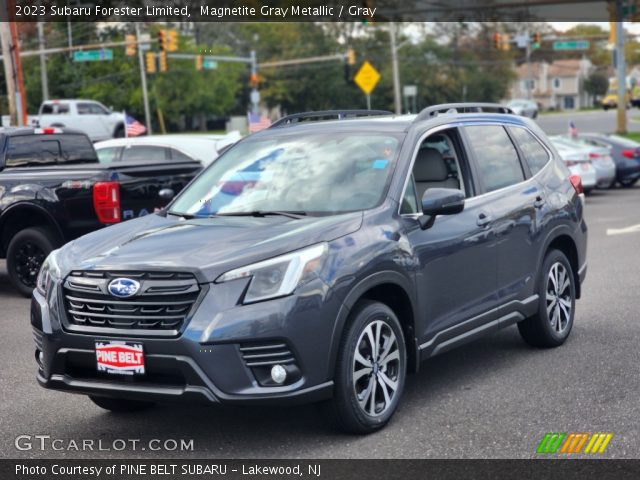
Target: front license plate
120 358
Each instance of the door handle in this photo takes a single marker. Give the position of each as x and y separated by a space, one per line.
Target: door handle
483 220
539 202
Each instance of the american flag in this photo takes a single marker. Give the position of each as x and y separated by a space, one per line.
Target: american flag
573 131
257 122
134 127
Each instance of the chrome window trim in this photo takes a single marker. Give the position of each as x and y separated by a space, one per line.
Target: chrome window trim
464 124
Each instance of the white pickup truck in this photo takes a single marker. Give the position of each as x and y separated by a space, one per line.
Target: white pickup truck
89 116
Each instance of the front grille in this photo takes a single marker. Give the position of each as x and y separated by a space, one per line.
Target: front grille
266 354
161 306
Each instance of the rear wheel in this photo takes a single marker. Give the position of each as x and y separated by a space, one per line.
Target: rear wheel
26 252
628 183
551 325
370 370
119 133
120 405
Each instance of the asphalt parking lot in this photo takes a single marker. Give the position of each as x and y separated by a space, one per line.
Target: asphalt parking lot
496 397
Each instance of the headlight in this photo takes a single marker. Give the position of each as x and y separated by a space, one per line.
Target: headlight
278 276
48 272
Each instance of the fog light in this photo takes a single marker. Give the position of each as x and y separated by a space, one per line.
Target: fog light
278 374
39 357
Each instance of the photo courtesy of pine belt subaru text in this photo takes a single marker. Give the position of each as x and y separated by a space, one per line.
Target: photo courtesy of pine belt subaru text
321 260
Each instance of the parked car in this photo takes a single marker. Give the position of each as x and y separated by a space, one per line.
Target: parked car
53 190
160 148
625 154
524 107
578 162
610 100
600 157
88 116
351 253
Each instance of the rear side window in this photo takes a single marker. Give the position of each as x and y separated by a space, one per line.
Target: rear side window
77 149
144 153
54 109
534 153
109 154
497 158
179 156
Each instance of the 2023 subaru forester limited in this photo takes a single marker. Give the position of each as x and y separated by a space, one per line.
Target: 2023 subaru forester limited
321 261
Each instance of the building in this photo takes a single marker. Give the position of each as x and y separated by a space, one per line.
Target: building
556 85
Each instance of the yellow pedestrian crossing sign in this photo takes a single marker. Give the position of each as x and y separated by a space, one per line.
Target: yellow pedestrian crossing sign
367 78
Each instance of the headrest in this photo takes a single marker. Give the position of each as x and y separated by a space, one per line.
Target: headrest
430 166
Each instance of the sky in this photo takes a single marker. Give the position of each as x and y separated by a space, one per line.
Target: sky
563 26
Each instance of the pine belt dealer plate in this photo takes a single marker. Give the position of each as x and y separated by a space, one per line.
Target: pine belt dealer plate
120 358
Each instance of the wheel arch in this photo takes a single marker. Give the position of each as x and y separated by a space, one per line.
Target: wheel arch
25 215
563 241
394 290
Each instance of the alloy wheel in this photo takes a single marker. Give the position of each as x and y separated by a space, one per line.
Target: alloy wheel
28 260
376 368
559 297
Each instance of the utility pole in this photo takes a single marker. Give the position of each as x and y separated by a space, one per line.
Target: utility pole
43 64
529 69
395 69
143 81
620 70
10 79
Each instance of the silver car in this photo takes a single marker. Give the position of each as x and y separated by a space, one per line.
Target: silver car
600 159
524 107
578 163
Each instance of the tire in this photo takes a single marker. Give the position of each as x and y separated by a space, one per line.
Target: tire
26 252
120 405
119 132
587 191
628 183
352 409
551 325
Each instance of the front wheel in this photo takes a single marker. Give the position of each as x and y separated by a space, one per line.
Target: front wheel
26 252
370 371
628 183
551 325
120 405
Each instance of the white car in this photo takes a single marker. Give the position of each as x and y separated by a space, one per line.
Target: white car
88 116
523 107
154 148
578 162
600 159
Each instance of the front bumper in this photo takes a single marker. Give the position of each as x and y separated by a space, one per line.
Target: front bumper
204 364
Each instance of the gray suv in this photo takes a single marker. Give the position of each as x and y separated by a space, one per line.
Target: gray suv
321 260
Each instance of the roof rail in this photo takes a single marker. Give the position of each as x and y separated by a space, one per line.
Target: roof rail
436 110
327 115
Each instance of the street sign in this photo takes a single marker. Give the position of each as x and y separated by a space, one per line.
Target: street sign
571 45
367 78
209 64
410 90
144 40
93 55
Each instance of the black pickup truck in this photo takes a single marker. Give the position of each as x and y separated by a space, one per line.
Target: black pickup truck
53 190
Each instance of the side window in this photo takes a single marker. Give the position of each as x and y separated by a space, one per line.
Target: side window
179 156
108 154
534 153
145 153
497 158
83 108
97 109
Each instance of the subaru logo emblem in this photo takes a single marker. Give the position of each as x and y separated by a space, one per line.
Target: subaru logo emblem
123 287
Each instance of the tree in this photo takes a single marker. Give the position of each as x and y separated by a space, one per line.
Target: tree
596 84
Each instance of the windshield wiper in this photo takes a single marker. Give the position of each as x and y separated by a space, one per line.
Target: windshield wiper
264 213
186 216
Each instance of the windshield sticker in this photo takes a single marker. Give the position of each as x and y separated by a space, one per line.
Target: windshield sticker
380 164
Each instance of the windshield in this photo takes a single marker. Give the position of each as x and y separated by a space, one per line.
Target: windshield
315 173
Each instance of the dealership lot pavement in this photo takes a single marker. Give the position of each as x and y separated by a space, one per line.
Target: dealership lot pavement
496 397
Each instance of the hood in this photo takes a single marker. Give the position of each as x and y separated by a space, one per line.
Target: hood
208 246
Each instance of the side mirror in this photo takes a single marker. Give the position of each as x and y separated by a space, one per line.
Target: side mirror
440 201
166 193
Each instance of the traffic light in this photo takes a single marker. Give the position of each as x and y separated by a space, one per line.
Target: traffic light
613 33
351 56
151 62
163 61
253 80
198 62
162 40
506 43
130 45
172 40
497 41
536 40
